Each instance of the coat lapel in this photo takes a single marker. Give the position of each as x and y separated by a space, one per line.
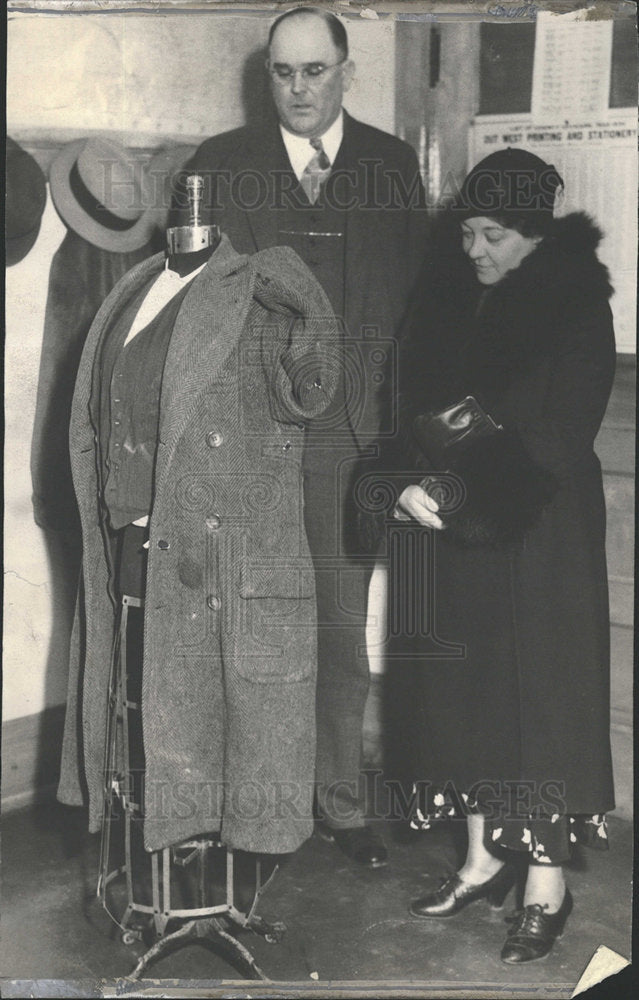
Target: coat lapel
266 157
207 329
357 225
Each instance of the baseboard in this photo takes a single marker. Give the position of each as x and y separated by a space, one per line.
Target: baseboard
31 757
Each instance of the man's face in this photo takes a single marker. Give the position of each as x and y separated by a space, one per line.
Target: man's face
307 105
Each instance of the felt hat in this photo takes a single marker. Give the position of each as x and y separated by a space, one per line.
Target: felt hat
26 196
108 195
511 183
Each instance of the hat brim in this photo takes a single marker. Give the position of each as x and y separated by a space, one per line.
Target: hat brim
75 217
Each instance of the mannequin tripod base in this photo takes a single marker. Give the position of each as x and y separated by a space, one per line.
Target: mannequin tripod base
192 884
210 932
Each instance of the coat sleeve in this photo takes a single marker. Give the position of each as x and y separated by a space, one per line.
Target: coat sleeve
564 430
506 481
302 360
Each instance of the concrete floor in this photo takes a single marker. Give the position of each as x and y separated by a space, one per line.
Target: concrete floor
349 926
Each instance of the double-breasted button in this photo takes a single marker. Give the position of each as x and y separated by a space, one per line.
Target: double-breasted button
213 522
163 544
213 602
214 439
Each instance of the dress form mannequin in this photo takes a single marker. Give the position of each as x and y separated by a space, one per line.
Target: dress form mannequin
148 912
190 246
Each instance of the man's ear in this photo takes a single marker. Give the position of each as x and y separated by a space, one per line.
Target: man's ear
348 72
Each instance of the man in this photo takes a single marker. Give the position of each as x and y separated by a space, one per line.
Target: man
348 198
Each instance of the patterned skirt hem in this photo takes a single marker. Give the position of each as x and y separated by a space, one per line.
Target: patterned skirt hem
547 838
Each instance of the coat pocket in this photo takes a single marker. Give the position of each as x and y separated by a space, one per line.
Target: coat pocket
277 579
277 637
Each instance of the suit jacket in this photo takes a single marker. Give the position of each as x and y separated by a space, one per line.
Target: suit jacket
376 176
229 620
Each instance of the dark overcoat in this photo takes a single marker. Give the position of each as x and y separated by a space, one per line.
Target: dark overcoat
229 619
514 661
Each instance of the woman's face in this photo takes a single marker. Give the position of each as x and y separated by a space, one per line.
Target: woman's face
493 249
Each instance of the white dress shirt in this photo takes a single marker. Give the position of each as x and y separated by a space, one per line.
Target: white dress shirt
299 149
167 284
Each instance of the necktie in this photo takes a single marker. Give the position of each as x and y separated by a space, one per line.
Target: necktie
316 171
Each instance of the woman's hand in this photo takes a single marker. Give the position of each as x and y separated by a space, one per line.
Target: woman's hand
415 503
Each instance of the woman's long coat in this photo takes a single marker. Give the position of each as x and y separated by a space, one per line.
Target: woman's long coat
229 619
520 692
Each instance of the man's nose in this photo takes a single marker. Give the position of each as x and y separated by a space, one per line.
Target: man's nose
298 81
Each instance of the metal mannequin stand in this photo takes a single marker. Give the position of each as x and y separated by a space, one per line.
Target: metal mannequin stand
155 883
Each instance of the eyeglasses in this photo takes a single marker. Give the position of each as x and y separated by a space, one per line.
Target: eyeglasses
312 73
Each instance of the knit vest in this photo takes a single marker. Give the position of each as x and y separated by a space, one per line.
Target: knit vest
317 234
126 401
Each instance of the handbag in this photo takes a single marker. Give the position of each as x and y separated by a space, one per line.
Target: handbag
443 436
489 496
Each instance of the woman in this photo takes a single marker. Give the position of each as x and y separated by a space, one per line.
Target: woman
514 709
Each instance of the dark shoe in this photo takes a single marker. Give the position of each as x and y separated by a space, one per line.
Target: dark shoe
359 843
453 894
534 932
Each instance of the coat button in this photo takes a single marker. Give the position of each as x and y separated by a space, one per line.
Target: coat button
213 522
214 439
213 602
163 544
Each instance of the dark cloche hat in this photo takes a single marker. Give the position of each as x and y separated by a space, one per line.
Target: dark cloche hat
510 183
26 196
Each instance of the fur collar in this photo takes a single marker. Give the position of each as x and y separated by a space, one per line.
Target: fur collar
519 319
566 257
465 338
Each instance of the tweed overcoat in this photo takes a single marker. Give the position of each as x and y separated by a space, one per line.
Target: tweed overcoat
514 664
229 619
375 181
